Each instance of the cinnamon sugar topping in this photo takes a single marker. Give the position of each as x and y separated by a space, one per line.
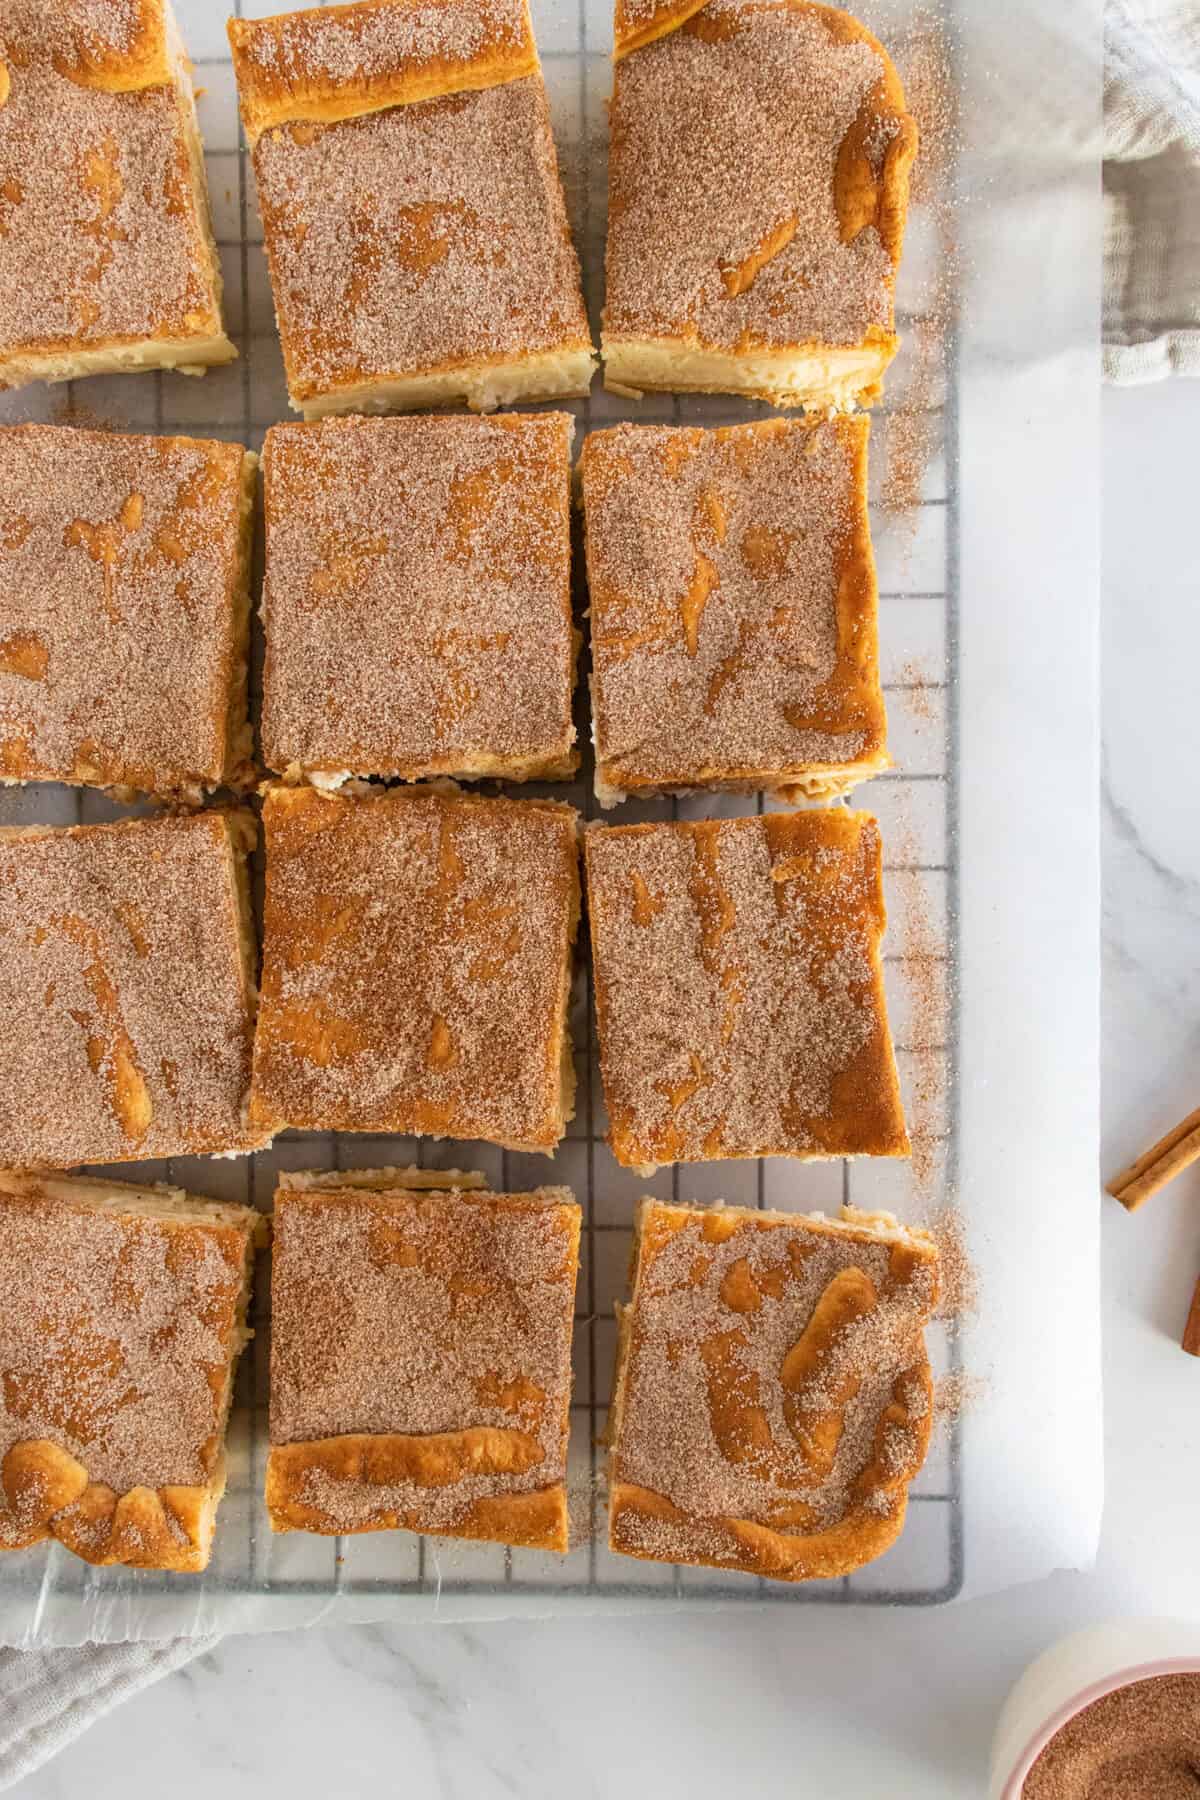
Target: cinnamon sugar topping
915 426
124 994
1140 1742
739 991
733 603
100 229
122 572
419 239
116 1337
723 219
355 43
104 26
418 1314
416 965
417 602
775 1375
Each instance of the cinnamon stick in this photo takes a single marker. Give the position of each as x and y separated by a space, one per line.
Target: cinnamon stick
1160 1164
1191 1331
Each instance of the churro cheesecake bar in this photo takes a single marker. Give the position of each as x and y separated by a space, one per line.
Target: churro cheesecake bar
415 227
421 1357
739 989
758 188
127 991
123 1318
417 602
107 261
772 1398
124 610
417 965
734 603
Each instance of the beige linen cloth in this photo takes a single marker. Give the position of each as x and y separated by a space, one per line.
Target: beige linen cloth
49 1697
1151 190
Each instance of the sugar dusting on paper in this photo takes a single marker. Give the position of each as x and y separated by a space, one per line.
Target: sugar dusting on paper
914 432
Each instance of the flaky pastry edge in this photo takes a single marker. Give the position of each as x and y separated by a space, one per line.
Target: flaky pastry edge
45 1492
753 1548
313 91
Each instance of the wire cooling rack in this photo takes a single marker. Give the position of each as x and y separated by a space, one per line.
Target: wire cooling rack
258 1579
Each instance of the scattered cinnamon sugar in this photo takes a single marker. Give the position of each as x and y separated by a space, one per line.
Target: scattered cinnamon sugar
426 236
1141 1742
417 603
927 972
68 404
587 1503
954 1394
698 183
101 230
921 51
419 1313
738 985
116 1333
914 430
958 1295
918 692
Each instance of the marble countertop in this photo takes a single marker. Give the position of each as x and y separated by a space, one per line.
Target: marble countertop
815 1702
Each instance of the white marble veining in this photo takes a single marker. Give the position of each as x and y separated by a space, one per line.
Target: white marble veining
816 1703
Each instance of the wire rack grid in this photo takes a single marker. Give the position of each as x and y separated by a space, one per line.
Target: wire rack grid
916 803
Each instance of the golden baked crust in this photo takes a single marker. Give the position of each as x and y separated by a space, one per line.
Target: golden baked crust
342 62
417 966
739 989
417 601
412 211
733 604
123 1320
108 261
127 990
119 553
638 22
118 47
773 1399
746 261
371 1432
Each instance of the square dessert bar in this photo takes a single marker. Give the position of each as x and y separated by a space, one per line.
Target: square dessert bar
417 605
772 1398
739 989
123 1318
421 1359
417 966
758 187
127 991
124 610
734 603
414 221
107 260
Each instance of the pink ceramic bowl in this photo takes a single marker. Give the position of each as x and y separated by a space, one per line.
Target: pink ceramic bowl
1074 1673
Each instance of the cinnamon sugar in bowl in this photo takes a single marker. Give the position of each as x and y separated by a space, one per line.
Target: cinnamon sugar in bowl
1110 1713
